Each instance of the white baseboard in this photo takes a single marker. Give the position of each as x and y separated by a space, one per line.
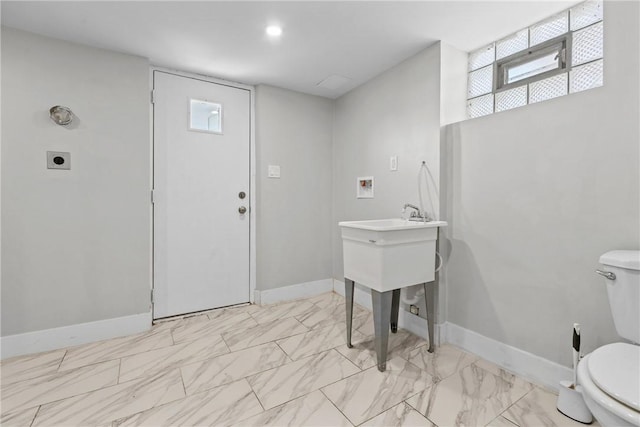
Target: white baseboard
524 364
527 365
361 294
293 292
67 336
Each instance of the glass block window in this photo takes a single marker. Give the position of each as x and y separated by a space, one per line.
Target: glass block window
585 14
549 28
480 82
512 44
511 98
586 76
480 106
560 55
552 87
482 57
588 44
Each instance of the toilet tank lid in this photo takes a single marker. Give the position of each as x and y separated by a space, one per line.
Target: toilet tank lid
622 259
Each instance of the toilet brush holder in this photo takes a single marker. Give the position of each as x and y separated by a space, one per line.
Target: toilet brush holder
571 404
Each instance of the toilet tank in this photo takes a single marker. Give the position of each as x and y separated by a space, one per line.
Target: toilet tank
624 291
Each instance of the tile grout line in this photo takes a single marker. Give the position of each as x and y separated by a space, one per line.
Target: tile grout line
35 415
486 372
255 394
140 379
513 404
334 405
177 365
506 419
282 350
320 325
191 339
309 392
173 339
226 343
295 398
62 360
262 324
119 357
416 409
335 382
187 396
184 388
54 372
66 397
119 370
183 362
290 361
349 360
126 417
241 378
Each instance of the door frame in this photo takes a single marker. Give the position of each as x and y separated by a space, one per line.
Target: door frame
252 169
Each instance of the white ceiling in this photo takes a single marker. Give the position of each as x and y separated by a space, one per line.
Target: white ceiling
353 39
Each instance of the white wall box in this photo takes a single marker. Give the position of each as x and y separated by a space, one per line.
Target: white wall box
364 187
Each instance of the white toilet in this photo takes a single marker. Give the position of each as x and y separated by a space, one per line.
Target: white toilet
610 375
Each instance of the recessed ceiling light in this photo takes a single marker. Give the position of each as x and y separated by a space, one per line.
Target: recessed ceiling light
274 30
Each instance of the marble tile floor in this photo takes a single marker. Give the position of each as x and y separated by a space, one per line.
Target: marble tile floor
283 365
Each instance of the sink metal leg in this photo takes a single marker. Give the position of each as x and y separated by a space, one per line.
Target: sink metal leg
430 302
381 317
395 308
348 293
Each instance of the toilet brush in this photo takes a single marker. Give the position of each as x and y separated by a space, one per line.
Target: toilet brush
576 352
570 401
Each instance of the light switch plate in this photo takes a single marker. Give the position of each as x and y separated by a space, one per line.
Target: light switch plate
58 160
393 163
273 171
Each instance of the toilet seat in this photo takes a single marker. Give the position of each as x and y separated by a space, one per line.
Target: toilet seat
615 369
607 410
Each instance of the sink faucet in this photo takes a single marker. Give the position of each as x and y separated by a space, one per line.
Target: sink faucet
417 214
409 205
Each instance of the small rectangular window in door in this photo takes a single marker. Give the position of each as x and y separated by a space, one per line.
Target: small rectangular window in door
205 116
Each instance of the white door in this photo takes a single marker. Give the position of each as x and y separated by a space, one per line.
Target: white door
201 133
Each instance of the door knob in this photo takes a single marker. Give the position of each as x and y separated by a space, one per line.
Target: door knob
242 210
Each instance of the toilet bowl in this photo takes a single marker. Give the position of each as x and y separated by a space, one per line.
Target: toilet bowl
610 383
610 375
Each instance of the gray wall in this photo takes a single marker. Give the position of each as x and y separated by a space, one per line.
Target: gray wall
76 244
395 113
536 195
293 222
453 87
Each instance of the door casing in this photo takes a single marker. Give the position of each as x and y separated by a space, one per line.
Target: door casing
252 171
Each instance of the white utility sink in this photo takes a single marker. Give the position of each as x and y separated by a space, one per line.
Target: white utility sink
389 254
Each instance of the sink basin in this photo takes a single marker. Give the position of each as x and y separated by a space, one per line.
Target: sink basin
391 224
388 254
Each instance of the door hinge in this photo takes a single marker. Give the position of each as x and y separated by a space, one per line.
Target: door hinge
152 301
153 96
153 197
